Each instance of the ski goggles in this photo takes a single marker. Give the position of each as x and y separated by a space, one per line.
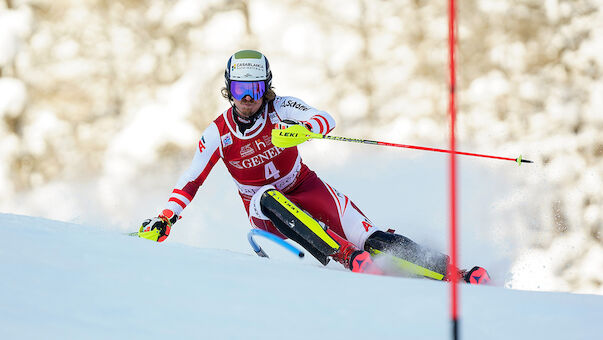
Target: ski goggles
254 89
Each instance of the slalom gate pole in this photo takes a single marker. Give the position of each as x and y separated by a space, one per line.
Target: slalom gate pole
454 301
258 250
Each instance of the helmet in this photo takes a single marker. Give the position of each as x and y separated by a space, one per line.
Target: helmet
247 66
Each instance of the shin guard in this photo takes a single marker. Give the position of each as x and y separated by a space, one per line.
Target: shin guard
297 225
408 256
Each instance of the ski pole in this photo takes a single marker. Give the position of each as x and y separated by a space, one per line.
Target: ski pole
297 134
258 250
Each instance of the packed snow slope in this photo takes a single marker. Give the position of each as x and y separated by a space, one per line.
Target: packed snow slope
62 280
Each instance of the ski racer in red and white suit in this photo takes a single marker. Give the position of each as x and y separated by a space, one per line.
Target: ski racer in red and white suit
242 138
256 165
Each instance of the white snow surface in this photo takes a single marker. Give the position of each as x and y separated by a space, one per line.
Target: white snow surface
69 281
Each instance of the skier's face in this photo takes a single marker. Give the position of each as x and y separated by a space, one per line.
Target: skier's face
247 106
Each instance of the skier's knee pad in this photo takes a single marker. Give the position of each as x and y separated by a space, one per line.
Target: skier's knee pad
255 204
296 224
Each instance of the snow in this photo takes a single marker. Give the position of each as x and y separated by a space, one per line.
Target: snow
63 280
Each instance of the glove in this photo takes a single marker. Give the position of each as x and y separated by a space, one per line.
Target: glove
158 228
291 122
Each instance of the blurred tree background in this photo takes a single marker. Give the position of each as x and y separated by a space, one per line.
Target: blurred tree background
84 83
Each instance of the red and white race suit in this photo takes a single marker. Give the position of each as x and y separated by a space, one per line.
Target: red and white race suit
254 162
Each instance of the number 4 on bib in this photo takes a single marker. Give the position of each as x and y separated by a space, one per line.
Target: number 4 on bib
270 171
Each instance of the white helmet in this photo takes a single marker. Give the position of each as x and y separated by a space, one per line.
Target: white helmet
247 66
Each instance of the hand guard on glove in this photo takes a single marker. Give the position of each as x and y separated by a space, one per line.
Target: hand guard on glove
289 133
290 122
158 228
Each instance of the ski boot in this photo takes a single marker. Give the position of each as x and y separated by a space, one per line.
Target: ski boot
352 258
476 276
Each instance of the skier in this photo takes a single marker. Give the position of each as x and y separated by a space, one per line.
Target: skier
280 193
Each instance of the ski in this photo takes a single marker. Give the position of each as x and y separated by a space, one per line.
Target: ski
396 265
